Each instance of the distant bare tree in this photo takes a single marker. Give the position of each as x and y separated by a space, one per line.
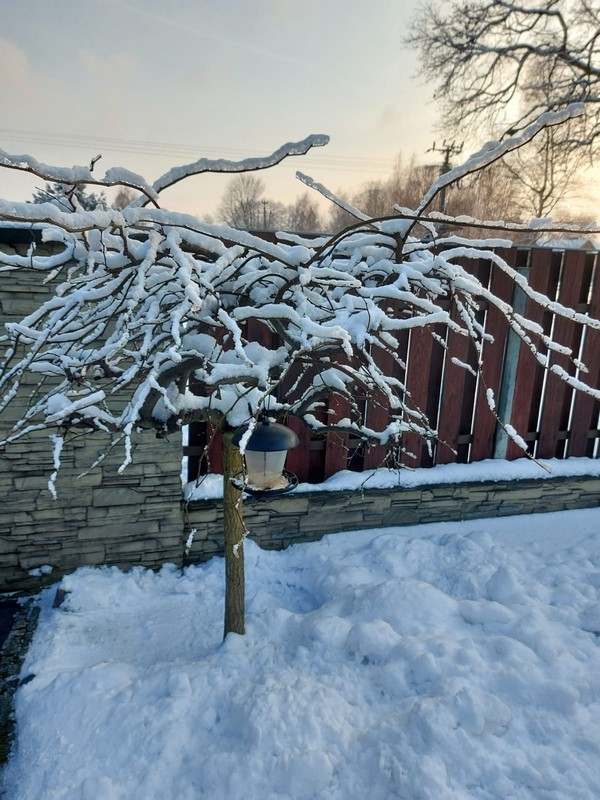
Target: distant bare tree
543 175
492 193
303 215
489 194
408 182
502 64
374 198
494 58
240 205
273 216
546 171
338 218
123 198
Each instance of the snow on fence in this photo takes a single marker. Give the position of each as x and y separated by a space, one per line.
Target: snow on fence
554 420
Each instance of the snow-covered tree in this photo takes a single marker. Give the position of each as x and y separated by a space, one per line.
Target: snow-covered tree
148 300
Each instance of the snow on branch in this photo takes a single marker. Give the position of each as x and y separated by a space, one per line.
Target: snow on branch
75 176
161 319
312 184
177 174
119 176
494 151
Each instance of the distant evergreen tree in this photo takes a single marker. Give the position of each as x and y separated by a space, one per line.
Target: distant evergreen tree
69 198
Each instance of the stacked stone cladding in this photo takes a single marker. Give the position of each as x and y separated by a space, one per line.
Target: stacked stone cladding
99 516
295 518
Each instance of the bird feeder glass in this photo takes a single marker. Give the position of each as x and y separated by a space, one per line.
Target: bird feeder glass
265 470
265 455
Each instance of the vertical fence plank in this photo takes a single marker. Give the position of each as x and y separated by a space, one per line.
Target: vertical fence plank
214 449
417 386
298 459
586 408
458 388
556 402
484 422
423 382
257 331
376 417
452 398
197 444
530 374
336 444
378 413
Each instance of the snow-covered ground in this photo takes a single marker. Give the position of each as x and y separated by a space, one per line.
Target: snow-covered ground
456 660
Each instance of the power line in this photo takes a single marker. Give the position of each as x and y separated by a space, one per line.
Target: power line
179 150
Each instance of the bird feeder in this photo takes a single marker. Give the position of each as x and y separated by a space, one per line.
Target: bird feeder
265 455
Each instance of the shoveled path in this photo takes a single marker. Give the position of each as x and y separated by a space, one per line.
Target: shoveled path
18 619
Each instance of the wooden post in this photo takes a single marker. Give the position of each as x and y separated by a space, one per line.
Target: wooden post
234 530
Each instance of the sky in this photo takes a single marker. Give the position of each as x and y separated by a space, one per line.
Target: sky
151 85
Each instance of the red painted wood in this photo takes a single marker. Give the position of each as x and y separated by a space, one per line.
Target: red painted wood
527 394
434 392
378 415
458 387
298 459
423 380
214 450
557 396
484 422
586 409
453 393
336 444
316 457
257 331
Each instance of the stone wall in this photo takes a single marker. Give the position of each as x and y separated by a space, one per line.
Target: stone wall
281 521
98 518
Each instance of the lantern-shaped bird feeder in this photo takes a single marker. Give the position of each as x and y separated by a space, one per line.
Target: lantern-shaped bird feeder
265 455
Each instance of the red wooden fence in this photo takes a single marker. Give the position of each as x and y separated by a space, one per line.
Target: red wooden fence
556 421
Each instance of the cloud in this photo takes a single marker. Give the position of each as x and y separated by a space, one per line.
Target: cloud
19 87
389 117
108 68
227 40
106 77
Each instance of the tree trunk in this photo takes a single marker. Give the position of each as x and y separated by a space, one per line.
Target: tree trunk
234 538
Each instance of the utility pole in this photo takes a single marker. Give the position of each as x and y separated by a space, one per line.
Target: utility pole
265 203
448 149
